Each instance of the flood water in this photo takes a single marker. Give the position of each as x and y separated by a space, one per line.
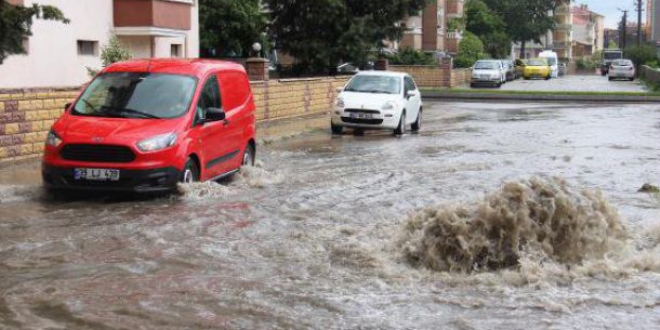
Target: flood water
316 237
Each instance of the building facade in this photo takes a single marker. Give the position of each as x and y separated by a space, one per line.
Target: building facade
59 54
588 32
428 31
653 20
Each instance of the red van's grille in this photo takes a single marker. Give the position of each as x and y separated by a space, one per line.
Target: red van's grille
97 153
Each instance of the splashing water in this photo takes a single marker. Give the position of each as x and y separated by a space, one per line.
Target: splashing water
546 218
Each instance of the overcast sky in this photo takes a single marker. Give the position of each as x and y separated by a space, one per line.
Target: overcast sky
608 8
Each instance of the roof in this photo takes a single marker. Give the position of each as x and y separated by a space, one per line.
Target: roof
190 67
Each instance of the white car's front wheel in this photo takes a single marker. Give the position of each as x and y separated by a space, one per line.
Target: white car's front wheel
401 129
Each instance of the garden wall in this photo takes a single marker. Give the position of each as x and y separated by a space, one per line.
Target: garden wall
650 75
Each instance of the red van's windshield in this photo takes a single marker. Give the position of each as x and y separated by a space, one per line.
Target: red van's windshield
137 95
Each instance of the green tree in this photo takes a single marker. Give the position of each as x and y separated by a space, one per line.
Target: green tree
489 27
470 50
113 52
228 28
612 45
641 55
525 19
321 33
16 25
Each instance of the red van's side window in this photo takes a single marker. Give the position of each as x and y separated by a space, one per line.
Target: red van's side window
235 89
210 98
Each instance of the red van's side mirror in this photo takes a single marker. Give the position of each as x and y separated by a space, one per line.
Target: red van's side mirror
215 114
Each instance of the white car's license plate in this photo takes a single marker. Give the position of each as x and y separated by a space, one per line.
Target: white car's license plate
361 115
96 174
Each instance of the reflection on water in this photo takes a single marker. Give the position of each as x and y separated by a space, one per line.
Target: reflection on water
312 237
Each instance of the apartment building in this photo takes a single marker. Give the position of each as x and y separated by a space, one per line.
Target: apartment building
59 54
588 31
428 30
653 20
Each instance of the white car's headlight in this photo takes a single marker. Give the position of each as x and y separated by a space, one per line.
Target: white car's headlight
53 139
391 105
158 142
340 103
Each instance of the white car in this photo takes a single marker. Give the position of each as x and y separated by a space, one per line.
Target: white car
624 69
488 72
378 100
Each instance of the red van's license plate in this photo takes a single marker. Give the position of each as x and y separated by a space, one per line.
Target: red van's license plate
96 174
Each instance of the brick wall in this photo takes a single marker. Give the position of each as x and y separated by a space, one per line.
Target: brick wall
429 76
25 118
27 114
650 75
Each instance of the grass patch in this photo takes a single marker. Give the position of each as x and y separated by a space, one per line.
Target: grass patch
501 92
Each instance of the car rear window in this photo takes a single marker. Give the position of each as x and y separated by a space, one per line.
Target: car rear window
622 63
486 65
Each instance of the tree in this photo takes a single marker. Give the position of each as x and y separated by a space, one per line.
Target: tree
228 28
489 27
113 52
525 19
16 25
612 45
470 50
321 33
641 55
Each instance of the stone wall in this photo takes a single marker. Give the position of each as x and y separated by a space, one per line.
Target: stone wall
25 119
431 76
650 75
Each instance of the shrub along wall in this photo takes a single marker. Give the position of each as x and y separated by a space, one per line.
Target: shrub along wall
432 76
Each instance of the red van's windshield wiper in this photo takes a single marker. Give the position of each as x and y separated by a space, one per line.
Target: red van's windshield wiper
125 112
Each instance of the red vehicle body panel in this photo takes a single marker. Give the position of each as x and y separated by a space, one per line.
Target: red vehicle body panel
216 146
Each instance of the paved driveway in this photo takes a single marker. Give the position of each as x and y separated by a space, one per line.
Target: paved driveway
576 84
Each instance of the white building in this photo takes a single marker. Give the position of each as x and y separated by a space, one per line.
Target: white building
58 54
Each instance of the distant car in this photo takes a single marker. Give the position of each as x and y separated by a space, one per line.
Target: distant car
520 67
488 72
378 100
510 70
609 56
553 62
537 68
348 68
624 69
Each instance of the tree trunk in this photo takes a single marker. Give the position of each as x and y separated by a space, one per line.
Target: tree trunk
522 49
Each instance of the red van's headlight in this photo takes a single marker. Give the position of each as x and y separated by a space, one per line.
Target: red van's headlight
53 139
158 142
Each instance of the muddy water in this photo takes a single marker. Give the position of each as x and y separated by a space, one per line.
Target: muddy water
312 239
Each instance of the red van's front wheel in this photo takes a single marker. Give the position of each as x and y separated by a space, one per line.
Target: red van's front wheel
191 172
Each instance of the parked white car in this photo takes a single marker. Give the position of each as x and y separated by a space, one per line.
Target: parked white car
488 72
624 69
378 100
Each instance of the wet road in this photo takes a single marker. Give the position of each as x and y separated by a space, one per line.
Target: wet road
312 239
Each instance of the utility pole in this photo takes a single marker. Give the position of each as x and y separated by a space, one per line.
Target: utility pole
639 22
624 29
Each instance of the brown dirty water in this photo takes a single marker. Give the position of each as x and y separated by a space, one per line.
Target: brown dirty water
494 216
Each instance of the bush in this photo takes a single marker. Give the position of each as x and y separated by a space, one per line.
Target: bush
412 57
470 50
641 55
113 52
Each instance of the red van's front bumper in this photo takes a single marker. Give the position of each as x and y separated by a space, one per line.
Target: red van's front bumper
137 172
140 181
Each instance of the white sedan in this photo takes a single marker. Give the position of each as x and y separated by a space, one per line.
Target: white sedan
622 69
378 100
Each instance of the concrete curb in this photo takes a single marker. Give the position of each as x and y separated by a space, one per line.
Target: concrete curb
540 98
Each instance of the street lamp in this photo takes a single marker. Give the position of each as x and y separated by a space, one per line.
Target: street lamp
256 47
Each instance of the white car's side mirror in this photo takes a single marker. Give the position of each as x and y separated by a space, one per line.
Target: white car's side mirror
411 94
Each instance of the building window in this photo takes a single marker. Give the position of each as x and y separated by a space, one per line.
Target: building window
86 47
176 50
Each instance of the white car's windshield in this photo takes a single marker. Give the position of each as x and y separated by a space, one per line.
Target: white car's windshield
136 95
486 66
374 84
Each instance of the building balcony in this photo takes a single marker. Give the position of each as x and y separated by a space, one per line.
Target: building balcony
563 27
152 17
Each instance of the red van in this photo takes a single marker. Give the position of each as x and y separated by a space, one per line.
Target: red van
145 125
